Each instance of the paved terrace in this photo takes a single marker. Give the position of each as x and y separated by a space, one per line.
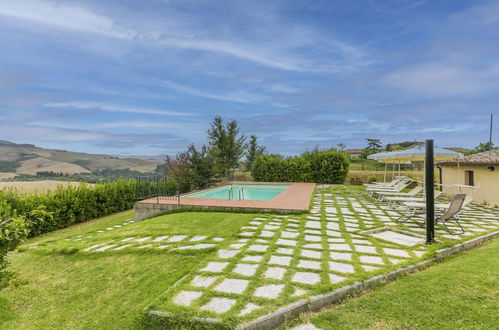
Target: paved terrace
280 259
295 198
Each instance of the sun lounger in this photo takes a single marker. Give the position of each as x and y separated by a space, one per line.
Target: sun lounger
412 193
453 208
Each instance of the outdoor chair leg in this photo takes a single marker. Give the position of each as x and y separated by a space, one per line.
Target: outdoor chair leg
456 219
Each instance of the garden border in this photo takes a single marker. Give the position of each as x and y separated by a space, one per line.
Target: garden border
318 302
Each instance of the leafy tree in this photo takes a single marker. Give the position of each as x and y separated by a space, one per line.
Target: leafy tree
340 146
486 146
226 143
373 144
178 168
201 167
254 150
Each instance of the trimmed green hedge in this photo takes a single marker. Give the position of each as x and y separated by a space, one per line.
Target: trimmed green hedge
316 166
69 205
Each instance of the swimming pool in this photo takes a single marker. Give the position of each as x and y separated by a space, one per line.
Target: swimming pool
262 192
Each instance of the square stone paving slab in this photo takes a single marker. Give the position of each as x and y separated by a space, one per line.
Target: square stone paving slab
280 260
271 291
219 305
185 298
306 278
232 285
203 281
276 273
341 267
398 238
215 267
245 269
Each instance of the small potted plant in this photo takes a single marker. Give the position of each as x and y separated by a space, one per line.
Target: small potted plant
356 180
373 178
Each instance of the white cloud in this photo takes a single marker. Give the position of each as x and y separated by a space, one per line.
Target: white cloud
114 108
62 16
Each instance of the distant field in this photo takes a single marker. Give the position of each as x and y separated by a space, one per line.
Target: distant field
37 186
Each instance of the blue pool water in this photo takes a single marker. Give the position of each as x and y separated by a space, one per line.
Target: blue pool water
263 192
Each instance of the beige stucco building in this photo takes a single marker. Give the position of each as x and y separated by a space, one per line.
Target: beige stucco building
480 170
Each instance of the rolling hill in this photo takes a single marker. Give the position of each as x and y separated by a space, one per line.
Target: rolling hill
16 159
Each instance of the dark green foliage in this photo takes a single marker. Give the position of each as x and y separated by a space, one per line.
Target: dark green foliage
227 145
201 166
329 166
9 165
96 176
14 229
70 205
254 150
486 146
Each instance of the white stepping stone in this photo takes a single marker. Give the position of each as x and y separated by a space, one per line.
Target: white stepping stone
232 285
217 239
197 238
185 298
255 223
336 279
93 247
143 239
333 233
341 267
266 233
250 307
271 291
122 247
247 234
226 254
365 249
341 256
161 247
313 232
311 254
361 241
333 226
271 227
286 242
236 246
288 234
419 253
110 228
278 260
316 246
176 238
127 239
276 273
219 305
259 240
313 217
258 248
309 264
299 292
245 269
336 240
196 247
262 219
160 238
339 247
370 268
104 248
371 260
144 246
312 238
203 281
285 251
252 258
215 267
395 261
396 252
306 278
313 224
398 238
243 240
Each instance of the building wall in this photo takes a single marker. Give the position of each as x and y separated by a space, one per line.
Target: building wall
487 181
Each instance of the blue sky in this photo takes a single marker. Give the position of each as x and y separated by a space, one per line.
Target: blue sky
146 77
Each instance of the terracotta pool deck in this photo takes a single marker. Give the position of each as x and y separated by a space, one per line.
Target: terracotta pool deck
296 198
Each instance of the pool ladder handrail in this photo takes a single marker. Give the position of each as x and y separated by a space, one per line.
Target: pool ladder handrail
241 193
230 193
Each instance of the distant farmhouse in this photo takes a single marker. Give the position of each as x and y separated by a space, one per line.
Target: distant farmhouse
354 153
480 170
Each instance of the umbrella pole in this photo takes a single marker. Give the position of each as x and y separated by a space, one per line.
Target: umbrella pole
384 176
393 171
399 167
430 197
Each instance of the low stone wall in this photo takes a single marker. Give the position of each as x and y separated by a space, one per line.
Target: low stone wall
144 211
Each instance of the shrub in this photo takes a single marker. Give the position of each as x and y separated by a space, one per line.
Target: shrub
372 178
69 205
13 230
317 166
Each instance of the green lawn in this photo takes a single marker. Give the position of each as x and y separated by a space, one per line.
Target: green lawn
459 293
105 290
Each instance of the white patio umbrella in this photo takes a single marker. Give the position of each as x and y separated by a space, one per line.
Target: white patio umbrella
416 154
